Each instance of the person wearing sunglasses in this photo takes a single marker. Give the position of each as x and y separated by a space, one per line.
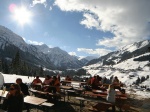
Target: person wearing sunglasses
14 99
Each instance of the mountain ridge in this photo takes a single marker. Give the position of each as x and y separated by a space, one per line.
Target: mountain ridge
127 52
56 57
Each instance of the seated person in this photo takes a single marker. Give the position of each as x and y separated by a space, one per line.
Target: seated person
115 80
116 83
14 99
67 78
95 83
47 80
35 82
54 87
58 77
24 87
88 80
56 83
99 80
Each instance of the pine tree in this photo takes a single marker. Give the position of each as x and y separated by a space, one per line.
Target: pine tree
138 81
16 64
41 71
147 77
6 70
0 65
4 67
143 79
24 68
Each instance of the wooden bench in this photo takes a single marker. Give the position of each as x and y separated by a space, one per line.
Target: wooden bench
121 103
126 107
94 95
105 105
47 106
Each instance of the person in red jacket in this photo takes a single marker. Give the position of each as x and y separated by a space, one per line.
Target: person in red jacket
36 83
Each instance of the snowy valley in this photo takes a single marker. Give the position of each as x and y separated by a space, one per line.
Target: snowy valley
131 64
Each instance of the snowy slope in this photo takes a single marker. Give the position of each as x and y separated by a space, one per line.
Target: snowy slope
12 38
135 46
89 58
123 70
126 77
131 64
127 52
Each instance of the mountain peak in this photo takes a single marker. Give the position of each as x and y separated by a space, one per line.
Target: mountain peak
135 46
44 46
56 48
12 38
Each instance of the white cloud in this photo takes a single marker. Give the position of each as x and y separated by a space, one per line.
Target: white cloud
90 21
35 42
127 20
50 8
72 53
99 52
44 2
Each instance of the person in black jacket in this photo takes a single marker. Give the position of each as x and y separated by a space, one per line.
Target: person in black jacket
14 99
24 87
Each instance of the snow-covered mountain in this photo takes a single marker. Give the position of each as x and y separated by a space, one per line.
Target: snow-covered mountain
8 37
130 64
89 58
127 52
59 57
52 58
86 59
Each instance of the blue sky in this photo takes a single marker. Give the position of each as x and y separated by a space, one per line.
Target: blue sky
82 28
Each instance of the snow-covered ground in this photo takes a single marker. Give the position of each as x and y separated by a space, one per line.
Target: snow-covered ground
123 77
11 78
131 64
126 77
127 72
127 80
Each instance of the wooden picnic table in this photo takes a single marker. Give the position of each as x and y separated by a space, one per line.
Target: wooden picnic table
99 93
42 92
94 95
32 90
38 84
66 87
105 86
105 92
3 93
81 83
82 100
34 100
